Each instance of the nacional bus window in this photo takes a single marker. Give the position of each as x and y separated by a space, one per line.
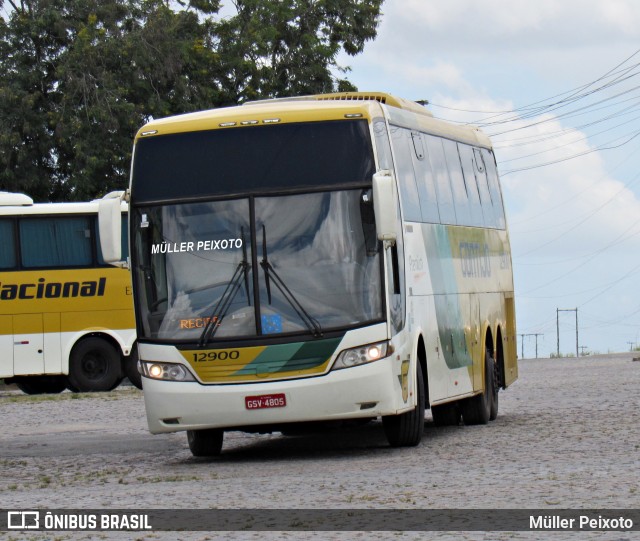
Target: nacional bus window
56 242
7 244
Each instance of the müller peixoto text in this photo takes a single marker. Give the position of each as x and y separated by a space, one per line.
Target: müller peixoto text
582 522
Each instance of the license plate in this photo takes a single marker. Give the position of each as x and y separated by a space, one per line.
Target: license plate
265 401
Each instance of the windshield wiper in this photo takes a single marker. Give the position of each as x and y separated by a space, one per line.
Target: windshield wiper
270 274
223 305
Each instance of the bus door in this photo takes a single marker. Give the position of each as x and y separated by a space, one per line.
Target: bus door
28 344
6 346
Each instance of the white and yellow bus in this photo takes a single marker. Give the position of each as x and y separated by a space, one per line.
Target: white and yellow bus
66 317
325 258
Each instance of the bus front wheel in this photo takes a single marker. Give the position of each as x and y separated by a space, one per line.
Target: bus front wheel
94 365
205 442
130 366
405 430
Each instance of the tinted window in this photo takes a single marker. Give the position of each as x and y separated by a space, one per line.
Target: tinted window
252 160
403 150
7 244
441 177
425 181
483 187
383 148
458 187
56 242
494 188
471 184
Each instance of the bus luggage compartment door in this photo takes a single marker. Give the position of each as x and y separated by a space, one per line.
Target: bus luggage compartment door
28 344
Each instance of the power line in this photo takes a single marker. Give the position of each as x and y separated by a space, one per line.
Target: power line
588 216
568 93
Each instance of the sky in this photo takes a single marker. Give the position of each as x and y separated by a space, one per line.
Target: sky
556 85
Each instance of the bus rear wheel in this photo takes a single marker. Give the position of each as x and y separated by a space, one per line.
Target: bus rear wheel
496 388
94 365
405 430
446 414
477 409
205 442
41 384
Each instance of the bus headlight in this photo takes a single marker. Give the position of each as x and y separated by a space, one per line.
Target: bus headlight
166 371
363 354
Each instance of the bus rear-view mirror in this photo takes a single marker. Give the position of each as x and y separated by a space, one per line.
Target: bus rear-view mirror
110 224
385 205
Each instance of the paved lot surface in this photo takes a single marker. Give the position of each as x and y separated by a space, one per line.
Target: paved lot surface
568 436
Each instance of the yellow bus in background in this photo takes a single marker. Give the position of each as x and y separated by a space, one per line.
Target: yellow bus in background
66 317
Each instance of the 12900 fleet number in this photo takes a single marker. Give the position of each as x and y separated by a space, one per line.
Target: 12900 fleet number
204 356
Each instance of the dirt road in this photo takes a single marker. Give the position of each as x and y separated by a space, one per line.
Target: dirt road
568 435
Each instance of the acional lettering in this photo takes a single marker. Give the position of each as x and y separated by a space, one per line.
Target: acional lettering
52 290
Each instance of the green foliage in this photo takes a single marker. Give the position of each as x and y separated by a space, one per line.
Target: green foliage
79 77
289 47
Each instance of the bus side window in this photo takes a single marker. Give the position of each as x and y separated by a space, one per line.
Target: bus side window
483 187
425 181
458 187
55 242
471 183
403 151
494 188
442 182
8 257
383 148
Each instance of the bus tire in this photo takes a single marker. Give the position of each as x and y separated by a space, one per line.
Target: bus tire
94 365
477 409
446 414
205 442
493 415
405 430
130 368
41 384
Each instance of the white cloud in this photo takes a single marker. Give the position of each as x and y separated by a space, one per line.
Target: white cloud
571 249
548 22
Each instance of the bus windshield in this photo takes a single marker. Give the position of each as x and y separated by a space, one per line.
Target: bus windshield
302 263
251 160
255 231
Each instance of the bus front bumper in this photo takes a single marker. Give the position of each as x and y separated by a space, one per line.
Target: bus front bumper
363 391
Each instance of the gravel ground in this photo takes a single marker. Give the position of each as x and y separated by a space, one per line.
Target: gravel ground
567 437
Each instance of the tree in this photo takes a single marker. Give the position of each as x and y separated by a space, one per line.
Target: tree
79 77
288 48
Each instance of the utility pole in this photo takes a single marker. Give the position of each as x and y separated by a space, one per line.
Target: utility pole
631 345
522 343
558 310
536 335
